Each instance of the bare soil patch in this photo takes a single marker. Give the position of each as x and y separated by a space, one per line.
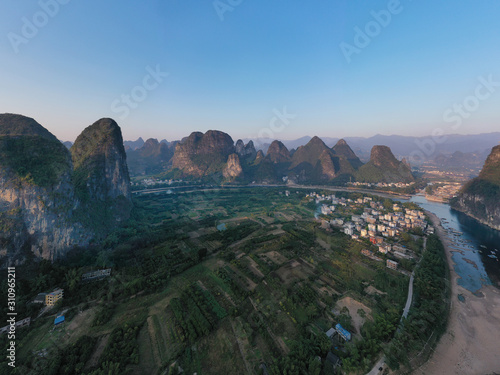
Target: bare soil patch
276 257
323 244
353 306
291 272
372 291
81 322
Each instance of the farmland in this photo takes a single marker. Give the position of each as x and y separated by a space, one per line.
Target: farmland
187 292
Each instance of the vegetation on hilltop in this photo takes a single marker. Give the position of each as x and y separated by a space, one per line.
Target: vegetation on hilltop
17 125
100 176
375 174
491 168
36 160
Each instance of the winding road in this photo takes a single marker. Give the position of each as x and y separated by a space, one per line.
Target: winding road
409 300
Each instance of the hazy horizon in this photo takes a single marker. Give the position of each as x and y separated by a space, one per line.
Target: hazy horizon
264 139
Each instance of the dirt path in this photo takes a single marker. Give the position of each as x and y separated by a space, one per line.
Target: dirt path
471 342
154 341
94 360
240 347
254 267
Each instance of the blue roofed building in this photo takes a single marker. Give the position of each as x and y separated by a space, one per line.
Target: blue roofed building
345 334
59 320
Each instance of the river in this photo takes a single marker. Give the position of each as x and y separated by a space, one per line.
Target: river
477 247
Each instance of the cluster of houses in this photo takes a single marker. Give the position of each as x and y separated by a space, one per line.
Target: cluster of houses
445 192
376 223
154 181
382 184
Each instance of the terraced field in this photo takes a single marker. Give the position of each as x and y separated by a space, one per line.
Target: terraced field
261 291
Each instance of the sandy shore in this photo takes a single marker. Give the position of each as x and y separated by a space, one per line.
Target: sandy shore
471 344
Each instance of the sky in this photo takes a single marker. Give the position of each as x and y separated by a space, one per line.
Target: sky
253 68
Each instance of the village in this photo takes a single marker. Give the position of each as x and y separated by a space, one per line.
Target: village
156 182
399 185
364 218
442 191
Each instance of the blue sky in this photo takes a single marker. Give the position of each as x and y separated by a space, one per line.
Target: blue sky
232 70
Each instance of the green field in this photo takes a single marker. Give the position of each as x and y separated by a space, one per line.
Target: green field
185 295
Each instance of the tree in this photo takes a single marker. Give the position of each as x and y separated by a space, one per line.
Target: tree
72 279
388 204
314 367
202 253
344 310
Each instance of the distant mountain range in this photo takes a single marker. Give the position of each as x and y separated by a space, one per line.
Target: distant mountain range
403 146
460 162
152 157
457 153
423 149
214 156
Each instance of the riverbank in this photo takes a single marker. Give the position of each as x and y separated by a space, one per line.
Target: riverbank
435 198
470 343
